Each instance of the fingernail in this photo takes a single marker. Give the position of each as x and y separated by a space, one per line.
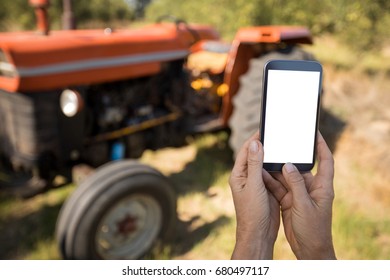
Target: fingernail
289 167
254 147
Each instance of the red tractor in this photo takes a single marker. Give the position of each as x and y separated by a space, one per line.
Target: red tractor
100 97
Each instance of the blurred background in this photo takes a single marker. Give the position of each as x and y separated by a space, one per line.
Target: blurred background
351 40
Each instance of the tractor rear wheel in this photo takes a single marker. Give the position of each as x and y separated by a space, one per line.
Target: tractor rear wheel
245 119
119 212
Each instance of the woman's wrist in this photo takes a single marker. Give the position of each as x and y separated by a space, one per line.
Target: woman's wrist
253 247
323 253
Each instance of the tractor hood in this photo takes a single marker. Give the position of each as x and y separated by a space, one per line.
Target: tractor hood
274 34
31 62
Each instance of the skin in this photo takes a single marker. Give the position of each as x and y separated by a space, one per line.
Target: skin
257 210
305 201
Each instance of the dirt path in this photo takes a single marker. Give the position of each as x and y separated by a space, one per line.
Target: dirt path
361 102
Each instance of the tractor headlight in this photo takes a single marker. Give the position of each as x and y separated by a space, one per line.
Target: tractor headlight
71 102
6 69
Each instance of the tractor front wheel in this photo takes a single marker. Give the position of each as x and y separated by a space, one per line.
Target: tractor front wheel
119 212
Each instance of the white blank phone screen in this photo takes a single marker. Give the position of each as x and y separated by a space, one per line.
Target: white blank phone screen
291 115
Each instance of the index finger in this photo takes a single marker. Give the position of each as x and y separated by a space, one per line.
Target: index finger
277 188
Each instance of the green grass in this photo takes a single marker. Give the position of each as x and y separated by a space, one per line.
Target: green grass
357 236
27 226
329 51
206 227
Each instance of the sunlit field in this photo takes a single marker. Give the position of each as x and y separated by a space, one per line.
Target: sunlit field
355 121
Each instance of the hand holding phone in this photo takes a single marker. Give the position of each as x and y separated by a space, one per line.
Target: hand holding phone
290 113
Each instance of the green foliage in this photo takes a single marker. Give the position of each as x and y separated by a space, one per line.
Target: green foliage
18 14
223 14
364 23
104 10
226 15
359 23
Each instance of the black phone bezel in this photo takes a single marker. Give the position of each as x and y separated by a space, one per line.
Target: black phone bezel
294 65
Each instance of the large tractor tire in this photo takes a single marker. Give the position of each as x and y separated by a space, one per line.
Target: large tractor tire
119 212
245 119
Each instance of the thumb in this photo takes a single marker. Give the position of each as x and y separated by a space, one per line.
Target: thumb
295 183
255 162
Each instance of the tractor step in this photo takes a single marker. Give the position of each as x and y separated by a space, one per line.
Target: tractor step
208 124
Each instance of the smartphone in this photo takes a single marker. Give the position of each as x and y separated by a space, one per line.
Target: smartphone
290 113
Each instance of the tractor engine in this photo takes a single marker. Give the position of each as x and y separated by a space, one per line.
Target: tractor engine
124 118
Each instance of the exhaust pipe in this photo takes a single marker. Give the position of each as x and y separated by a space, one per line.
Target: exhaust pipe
68 20
41 14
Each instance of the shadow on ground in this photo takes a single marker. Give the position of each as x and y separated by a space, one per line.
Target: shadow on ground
331 128
20 235
198 176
